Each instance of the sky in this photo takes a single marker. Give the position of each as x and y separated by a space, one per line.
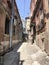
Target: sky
23 7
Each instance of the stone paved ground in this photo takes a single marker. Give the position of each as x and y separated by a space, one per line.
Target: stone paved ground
13 57
26 54
33 55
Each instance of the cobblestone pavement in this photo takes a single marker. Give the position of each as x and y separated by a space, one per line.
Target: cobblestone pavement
26 54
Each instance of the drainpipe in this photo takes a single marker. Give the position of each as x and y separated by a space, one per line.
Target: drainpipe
11 23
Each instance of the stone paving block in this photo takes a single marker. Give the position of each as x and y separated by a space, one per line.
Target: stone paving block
35 63
28 61
38 56
31 49
44 61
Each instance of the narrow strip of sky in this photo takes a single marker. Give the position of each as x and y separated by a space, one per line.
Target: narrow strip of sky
23 7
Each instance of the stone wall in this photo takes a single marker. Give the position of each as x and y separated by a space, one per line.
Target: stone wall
42 39
2 22
5 11
46 19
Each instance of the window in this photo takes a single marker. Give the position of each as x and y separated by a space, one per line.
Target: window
7 26
14 32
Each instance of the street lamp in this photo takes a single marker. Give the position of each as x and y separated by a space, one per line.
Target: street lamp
11 23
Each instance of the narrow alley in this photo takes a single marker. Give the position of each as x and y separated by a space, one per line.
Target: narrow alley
24 32
26 54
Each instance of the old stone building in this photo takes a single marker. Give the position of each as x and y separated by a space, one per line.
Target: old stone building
39 12
5 19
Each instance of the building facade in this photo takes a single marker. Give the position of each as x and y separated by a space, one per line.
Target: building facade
39 12
5 17
5 20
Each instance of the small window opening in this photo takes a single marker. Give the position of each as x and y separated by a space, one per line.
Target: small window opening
14 30
7 26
